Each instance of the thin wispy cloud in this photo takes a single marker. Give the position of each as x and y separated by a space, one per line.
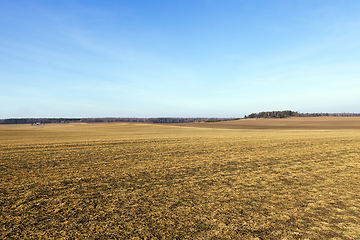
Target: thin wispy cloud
202 58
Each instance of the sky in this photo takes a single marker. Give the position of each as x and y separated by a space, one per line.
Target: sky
178 58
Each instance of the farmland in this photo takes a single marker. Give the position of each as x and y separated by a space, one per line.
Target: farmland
184 181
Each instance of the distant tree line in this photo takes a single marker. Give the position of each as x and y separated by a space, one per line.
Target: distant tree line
330 114
38 120
109 119
289 113
273 114
152 120
269 114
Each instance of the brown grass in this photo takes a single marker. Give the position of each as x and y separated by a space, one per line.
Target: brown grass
138 181
294 123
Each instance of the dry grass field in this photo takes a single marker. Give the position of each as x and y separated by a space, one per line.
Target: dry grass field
294 123
147 181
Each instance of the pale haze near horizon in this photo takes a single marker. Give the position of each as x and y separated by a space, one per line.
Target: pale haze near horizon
178 58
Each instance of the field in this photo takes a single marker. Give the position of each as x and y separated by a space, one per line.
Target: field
195 181
291 123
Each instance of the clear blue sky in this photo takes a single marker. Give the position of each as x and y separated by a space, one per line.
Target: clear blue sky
178 58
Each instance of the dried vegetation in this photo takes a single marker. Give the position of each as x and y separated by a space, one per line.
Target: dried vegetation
136 181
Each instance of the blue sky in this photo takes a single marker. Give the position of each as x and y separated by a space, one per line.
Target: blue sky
178 58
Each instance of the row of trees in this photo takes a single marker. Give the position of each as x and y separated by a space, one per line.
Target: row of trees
270 114
94 120
37 120
330 114
274 114
289 113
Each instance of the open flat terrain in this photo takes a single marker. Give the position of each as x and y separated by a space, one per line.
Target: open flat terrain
295 123
198 181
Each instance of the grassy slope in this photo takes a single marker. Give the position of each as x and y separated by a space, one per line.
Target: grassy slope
136 180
